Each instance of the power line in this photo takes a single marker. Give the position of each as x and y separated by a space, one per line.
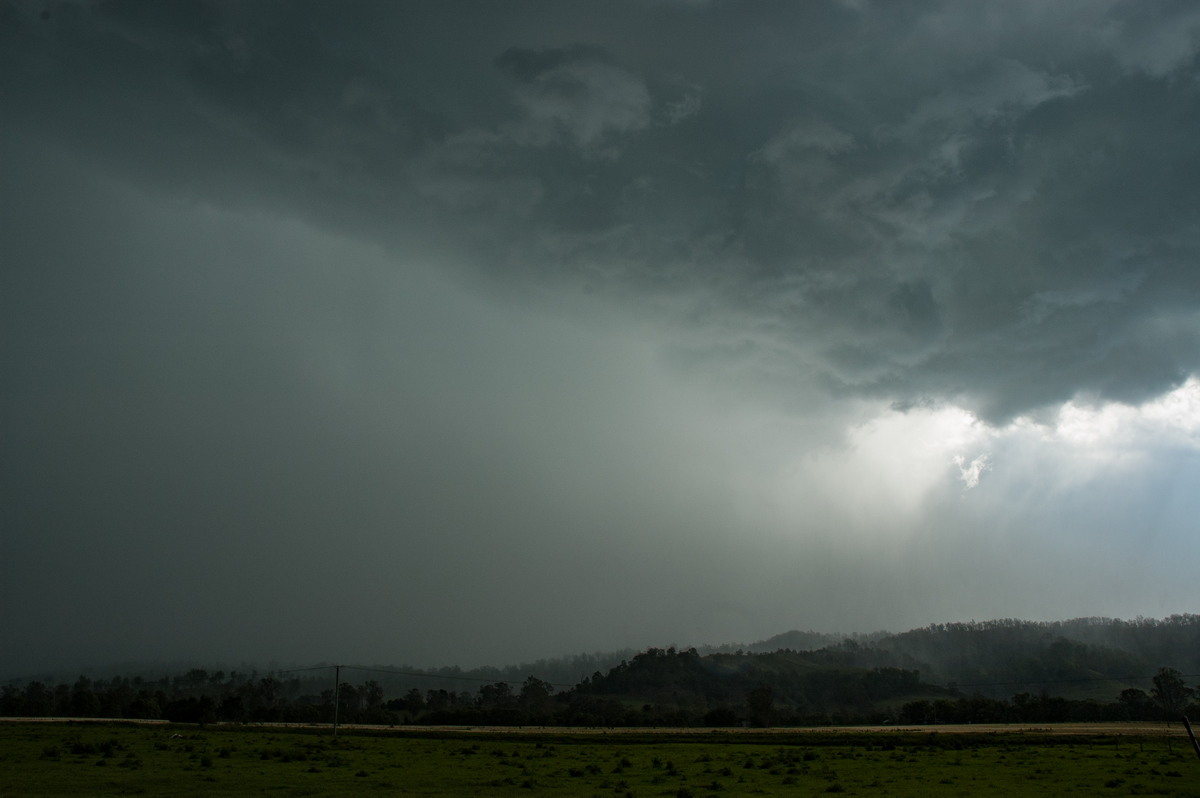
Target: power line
953 685
420 674
1066 681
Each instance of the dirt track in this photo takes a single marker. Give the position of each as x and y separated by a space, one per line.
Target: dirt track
1083 729
1080 729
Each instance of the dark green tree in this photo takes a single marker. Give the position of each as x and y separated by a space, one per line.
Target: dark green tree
761 703
84 703
1136 705
11 701
498 695
372 699
232 708
196 678
38 701
535 691
1170 693
62 701
349 701
437 700
535 701
146 705
414 702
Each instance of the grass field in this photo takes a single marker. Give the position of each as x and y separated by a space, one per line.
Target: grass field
52 759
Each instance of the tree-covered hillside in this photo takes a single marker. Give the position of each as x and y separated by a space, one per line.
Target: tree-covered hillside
1078 658
994 671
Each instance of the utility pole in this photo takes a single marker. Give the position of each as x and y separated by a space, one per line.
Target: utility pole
337 682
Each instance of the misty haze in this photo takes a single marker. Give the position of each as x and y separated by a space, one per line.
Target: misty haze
474 334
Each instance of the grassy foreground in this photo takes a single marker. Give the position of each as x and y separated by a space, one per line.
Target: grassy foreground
53 759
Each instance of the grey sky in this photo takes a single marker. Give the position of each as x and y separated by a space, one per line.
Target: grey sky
478 332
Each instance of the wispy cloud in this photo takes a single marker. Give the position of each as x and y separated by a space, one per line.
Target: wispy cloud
970 473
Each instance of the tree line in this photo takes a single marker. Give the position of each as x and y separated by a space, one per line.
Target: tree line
658 687
1169 699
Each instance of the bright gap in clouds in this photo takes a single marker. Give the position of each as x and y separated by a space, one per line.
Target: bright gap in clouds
894 467
930 514
1170 420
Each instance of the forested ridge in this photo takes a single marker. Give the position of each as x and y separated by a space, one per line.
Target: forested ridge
1090 669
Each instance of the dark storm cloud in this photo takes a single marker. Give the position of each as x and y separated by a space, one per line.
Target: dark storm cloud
377 293
921 201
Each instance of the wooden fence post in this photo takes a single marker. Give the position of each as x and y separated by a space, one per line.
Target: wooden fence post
1187 725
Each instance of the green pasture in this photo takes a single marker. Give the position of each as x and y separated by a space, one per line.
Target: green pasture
52 759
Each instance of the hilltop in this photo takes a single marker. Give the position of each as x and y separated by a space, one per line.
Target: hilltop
1086 669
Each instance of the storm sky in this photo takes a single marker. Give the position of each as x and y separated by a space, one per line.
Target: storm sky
473 333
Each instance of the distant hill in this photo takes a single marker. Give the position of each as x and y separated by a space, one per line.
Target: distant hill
992 671
1074 658
781 686
795 640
